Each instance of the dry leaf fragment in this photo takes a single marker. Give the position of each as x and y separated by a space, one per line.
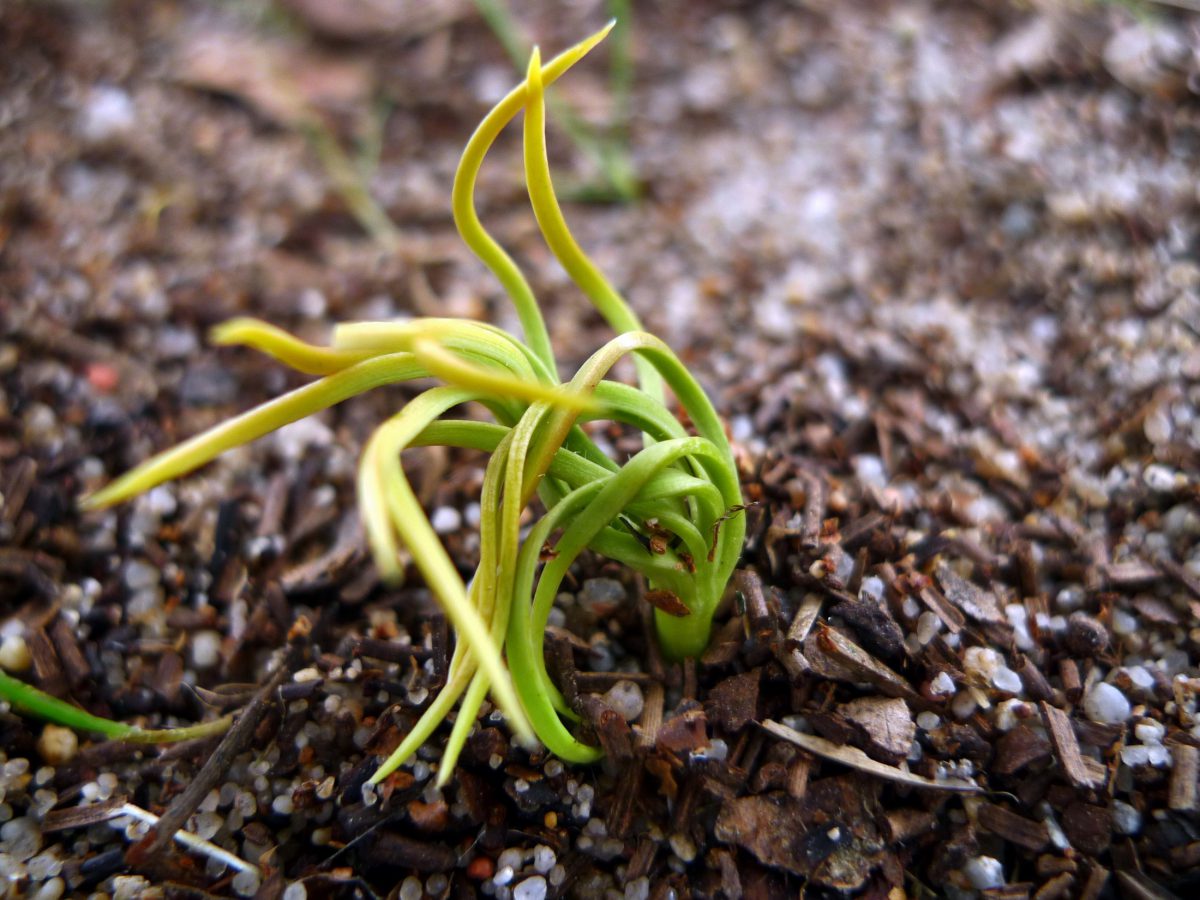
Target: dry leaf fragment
668 602
856 759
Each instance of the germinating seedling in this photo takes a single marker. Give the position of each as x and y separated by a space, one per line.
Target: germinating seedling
669 512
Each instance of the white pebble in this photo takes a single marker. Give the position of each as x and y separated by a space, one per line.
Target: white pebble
22 838
531 889
625 698
512 858
1126 818
206 649
941 685
50 890
928 721
246 882
1149 731
928 625
1123 623
1159 478
57 745
963 705
1140 677
14 654
683 846
1005 679
544 859
1008 714
984 872
411 888
981 661
1105 703
446 520
107 112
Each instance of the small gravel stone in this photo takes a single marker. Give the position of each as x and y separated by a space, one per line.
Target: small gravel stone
14 654
411 889
1124 623
1149 732
22 838
57 745
206 649
984 872
942 684
1086 637
1005 679
601 596
1126 818
530 889
928 626
246 883
928 721
1105 703
543 859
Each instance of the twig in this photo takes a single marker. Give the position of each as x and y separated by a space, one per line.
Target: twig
234 743
187 839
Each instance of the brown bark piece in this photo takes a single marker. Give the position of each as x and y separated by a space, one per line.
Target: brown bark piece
887 724
977 603
829 837
950 615
862 665
1019 748
1066 747
684 732
1186 759
1089 827
734 702
1016 829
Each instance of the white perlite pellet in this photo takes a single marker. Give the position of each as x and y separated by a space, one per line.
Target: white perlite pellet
1105 703
531 889
984 872
626 699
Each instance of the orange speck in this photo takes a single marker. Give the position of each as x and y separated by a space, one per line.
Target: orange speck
481 868
103 377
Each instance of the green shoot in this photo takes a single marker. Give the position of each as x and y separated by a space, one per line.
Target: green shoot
681 489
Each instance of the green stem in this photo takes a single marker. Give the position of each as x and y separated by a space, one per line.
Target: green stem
35 702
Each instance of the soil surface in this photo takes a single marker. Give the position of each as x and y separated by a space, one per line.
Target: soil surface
935 263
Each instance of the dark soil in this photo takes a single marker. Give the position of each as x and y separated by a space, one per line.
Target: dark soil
936 263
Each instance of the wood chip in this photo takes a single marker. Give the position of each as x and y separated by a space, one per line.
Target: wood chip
1016 829
973 600
734 702
1134 573
856 759
81 816
1097 879
789 651
1066 747
1018 749
1058 886
1186 768
950 615
864 666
